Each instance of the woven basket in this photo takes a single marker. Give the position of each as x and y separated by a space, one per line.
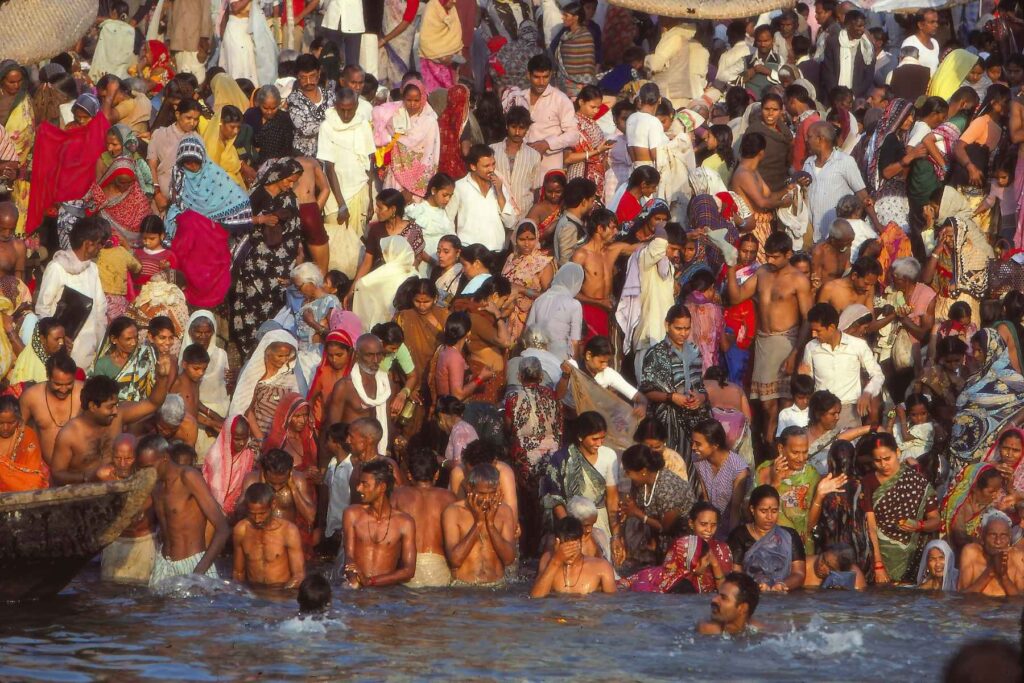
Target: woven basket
705 9
34 30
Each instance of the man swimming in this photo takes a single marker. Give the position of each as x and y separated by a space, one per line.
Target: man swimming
732 610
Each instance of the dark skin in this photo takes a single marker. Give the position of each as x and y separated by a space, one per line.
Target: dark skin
268 550
344 404
12 249
292 497
479 535
425 503
380 541
49 406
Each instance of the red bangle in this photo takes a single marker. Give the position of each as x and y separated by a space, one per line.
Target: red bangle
371 581
920 525
879 565
477 381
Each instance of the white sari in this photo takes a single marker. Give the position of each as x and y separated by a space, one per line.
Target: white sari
374 297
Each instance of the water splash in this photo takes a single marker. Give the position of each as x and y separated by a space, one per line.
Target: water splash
197 585
311 625
813 640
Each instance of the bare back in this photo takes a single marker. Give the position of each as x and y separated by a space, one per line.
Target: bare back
182 521
425 505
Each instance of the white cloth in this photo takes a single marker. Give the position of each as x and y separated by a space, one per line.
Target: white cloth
213 389
339 492
348 146
609 378
374 297
379 403
166 569
838 369
477 216
560 312
344 15
792 417
732 64
645 130
254 370
238 51
862 232
679 64
927 56
848 55
646 296
435 224
66 270
115 50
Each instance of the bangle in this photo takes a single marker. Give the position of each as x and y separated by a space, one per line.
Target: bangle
477 381
645 519
920 525
405 392
879 565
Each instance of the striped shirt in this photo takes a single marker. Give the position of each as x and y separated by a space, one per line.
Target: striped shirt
839 177
519 173
576 54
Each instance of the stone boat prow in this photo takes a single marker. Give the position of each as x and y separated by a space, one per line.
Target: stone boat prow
47 536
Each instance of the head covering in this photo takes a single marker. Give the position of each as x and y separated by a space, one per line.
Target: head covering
957 495
161 57
568 281
275 170
894 116
213 391
703 212
950 575
208 191
972 251
852 314
374 297
652 206
88 103
994 456
290 404
343 337
225 471
125 211
225 91
951 73
130 149
450 124
254 369
705 181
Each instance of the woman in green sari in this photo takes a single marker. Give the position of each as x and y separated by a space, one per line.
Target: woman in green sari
901 512
123 359
795 479
1010 328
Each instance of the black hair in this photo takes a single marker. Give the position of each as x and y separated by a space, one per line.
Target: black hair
882 440
703 506
716 373
568 528
89 229
865 266
478 152
790 432
676 312
824 314
752 144
598 346
9 404
229 113
381 471
479 452
622 107
422 464
305 63
763 492
984 477
314 594
650 428
277 461
588 93
160 323
588 423
747 591
393 199
950 346
183 454
456 327
821 402
62 361
194 354
496 284
152 225
186 105
119 325
389 333
713 431
338 432
439 181
449 405
917 399
801 385
639 457
643 175
723 137
736 31
801 45
539 63
518 116
47 325
99 389
410 289
577 191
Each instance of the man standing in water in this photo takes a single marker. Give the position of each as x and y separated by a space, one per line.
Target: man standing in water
732 610
425 503
51 404
567 570
364 437
782 295
479 532
86 443
184 506
380 542
364 393
268 550
293 500
130 558
992 567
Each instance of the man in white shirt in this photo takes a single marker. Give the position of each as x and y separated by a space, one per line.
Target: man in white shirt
644 132
732 63
516 163
343 23
927 25
480 202
836 360
354 76
345 145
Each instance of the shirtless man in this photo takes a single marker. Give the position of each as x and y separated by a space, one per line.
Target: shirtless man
268 550
380 541
748 183
174 423
597 256
425 503
129 559
482 452
51 404
831 258
363 436
479 532
732 609
567 570
782 297
349 402
86 443
293 500
992 567
856 288
312 190
12 248
184 506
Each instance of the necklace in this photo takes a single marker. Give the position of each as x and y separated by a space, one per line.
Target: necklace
46 400
649 498
565 575
369 533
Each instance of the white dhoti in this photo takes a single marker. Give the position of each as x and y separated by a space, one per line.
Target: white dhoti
345 241
431 572
129 560
237 50
188 62
166 569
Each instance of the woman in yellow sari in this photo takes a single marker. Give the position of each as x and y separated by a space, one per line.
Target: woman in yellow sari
16 118
951 74
221 133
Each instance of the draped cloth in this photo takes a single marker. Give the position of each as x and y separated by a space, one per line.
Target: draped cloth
993 456
770 559
567 473
374 297
124 211
972 252
589 395
413 144
986 406
225 470
325 376
955 502
678 572
204 257
130 150
210 191
24 468
904 496
281 435
213 391
950 575
667 369
951 73
253 371
895 113
64 165
450 124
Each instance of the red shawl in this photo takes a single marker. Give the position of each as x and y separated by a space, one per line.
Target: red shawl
290 404
64 165
325 376
161 57
450 125
205 259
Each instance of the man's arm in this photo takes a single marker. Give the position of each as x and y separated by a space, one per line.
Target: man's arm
501 530
140 410
546 578
407 565
739 293
607 578
60 461
296 560
211 510
875 375
456 546
971 580
238 564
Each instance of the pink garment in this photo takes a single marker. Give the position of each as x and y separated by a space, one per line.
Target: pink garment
203 255
1018 188
450 372
347 322
920 299
462 435
416 151
436 75
8 152
734 423
554 121
706 327
223 471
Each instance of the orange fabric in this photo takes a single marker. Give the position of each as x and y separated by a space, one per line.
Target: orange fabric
24 469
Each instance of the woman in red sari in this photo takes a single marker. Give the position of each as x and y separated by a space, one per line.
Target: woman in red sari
292 431
548 209
589 158
22 467
119 198
450 125
338 358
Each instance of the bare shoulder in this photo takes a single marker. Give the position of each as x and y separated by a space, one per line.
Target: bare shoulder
455 509
708 628
308 164
443 496
249 479
194 479
972 552
403 520
240 530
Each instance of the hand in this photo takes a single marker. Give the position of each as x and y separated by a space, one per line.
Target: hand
629 508
868 202
105 473
780 469
830 484
397 403
566 367
618 551
946 237
485 374
881 576
678 399
974 175
165 265
163 365
267 219
929 214
789 365
605 146
343 215
909 525
864 404
495 182
780 588
355 580
160 199
541 146
475 503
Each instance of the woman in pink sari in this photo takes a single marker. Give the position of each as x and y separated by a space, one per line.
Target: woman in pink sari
705 315
408 141
589 158
228 461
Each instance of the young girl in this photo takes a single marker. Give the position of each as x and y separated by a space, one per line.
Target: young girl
397 361
114 264
1001 190
430 215
916 433
705 314
337 284
729 406
722 160
957 325
152 254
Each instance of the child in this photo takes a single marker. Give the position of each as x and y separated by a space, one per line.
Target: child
796 415
314 596
312 319
959 323
397 361
1001 190
152 255
705 315
194 361
337 284
916 433
114 264
432 217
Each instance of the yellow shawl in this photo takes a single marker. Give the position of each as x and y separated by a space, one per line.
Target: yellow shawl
222 153
441 32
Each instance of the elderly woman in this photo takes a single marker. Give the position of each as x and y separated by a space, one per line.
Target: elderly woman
772 554
203 187
162 152
312 323
656 509
273 131
914 304
408 133
265 379
201 329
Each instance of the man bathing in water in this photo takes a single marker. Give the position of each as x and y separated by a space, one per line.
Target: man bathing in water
85 444
184 506
130 558
425 503
479 532
380 541
293 500
992 567
567 570
268 550
50 405
782 296
732 609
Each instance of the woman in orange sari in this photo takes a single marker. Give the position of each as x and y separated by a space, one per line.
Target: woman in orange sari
292 432
422 322
21 459
530 271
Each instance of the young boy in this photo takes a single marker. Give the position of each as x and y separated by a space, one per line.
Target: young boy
194 361
796 415
338 486
152 255
314 595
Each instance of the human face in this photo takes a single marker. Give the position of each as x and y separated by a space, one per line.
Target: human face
54 341
656 445
447 255
589 108
936 563
763 42
978 353
308 80
423 303
876 98
193 165
188 121
122 183
830 419
127 341
383 212
516 132
369 488
484 168
1002 178
539 81
259 514
596 364
802 401
747 253
776 261
151 240
863 285
82 117
239 436
346 109
278 355
124 458
337 355
821 15
1014 74
269 107
702 448
114 146
886 461
929 24
689 251
9 424
1010 450
369 356
442 196
795 450
288 183
591 442
553 191
299 419
918 415
356 81
413 101
706 524
855 29
526 242
724 608
974 75
277 481
229 131
648 190
996 536
825 334
953 362
786 27
985 496
104 413
678 331
765 513
201 332
61 384
162 341
11 84
195 371
571 21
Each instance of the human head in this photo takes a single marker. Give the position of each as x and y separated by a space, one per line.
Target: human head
307 73
152 450
364 434
927 22
792 444
51 335
987 487
778 247
823 320
864 274
905 272
277 465
423 465
259 498
823 410
160 331
171 415
579 196
390 205
60 374
1010 447
369 353
449 250
764 506
314 594
456 327
884 453
801 386
708 438
88 237
641 464
124 452
480 161
678 325
736 601
589 431
995 532
539 70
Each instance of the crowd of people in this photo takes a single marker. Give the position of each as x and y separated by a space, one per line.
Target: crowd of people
433 294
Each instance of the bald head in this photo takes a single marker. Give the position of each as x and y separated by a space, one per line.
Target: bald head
369 353
8 216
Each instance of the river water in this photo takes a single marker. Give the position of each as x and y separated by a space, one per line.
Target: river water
205 630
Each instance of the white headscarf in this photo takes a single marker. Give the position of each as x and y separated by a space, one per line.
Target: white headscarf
253 371
374 297
950 576
558 302
213 390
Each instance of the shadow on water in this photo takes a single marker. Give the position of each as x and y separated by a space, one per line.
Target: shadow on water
200 629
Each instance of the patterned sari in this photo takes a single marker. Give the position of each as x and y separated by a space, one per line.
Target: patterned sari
677 573
524 271
842 519
667 369
408 146
24 468
906 495
137 378
957 504
796 492
124 211
593 168
567 473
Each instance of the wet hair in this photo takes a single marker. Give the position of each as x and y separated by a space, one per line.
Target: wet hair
99 389
800 257
588 423
650 429
422 464
277 461
778 243
539 63
62 361
675 312
314 594
950 346
639 457
824 314
89 229
791 432
456 327
484 473
752 144
449 405
821 402
713 431
568 528
479 452
150 442
763 492
152 225
382 473
845 556
703 506
160 323
801 385
865 266
748 592
392 199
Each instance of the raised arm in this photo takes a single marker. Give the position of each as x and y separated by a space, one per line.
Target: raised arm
456 546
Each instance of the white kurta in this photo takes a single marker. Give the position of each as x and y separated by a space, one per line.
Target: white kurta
86 281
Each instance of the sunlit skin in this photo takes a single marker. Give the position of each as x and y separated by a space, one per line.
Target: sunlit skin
54 340
61 384
526 242
447 255
936 564
239 436
114 146
539 81
706 525
9 423
412 99
124 457
918 415
125 343
346 109
776 261
771 111
337 355
299 419
162 341
194 371
12 82
201 332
